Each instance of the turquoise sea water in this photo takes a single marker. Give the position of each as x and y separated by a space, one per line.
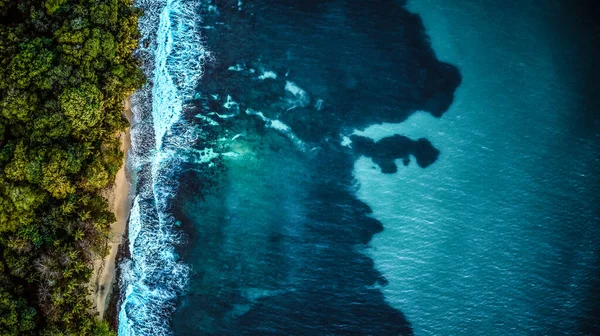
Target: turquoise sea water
349 168
500 236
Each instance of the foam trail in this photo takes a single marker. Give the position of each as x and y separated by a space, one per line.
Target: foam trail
172 56
279 126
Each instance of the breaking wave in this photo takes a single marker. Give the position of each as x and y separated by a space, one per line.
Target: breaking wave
172 58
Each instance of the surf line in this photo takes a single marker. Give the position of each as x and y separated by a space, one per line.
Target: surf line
173 56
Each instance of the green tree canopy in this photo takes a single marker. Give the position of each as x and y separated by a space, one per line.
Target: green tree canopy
82 106
16 318
65 68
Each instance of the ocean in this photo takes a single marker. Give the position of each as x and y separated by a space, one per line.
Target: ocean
365 168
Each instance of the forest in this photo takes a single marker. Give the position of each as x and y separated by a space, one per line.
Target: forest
66 68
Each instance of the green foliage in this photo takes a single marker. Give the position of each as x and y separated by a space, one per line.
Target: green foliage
55 175
16 318
50 127
82 106
53 5
17 106
32 61
96 176
65 69
102 329
15 170
17 205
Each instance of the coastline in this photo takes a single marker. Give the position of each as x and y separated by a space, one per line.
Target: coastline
105 270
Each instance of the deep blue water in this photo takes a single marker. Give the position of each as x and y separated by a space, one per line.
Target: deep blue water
365 168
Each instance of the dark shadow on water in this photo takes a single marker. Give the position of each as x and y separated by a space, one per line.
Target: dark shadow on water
385 151
305 272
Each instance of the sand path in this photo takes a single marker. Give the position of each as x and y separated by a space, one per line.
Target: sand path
120 203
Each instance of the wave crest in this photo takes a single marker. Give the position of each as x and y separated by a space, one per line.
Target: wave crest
173 57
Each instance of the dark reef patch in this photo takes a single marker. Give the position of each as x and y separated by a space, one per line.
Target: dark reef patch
385 151
277 248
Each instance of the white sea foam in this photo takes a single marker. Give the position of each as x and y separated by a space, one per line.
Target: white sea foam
205 155
294 89
207 119
278 125
222 116
173 57
237 67
230 103
231 154
281 127
319 104
268 75
301 98
346 141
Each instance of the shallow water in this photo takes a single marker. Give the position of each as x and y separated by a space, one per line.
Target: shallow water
321 167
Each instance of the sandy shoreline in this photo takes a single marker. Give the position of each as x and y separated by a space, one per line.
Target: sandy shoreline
120 203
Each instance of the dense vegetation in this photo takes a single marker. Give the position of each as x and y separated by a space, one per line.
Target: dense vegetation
66 66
